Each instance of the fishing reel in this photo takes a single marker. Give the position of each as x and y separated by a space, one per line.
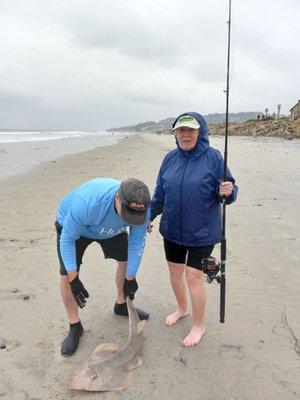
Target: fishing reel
211 267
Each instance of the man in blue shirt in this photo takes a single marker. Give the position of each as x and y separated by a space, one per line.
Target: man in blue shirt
101 210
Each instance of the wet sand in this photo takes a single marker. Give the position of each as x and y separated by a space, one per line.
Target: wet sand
253 356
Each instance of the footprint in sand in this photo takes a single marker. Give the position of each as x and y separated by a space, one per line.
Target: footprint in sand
21 396
231 349
8 345
15 295
242 269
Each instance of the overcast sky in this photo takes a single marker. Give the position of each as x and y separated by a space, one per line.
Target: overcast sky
96 64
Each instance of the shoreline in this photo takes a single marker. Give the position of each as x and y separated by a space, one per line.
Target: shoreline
253 351
22 156
156 138
52 157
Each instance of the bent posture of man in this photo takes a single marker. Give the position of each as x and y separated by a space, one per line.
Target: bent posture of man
101 210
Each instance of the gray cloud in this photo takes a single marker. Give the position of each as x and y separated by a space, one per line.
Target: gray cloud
97 64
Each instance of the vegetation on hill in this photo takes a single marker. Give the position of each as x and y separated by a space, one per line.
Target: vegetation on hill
165 124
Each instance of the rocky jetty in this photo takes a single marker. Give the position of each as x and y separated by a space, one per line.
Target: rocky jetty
272 127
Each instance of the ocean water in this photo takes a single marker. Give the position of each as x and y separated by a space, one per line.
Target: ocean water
21 151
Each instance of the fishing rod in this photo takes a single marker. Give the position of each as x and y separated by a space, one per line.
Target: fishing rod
210 266
223 240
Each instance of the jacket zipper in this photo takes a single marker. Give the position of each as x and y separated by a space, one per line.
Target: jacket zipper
180 212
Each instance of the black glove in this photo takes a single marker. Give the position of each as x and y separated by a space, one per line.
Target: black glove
130 287
79 292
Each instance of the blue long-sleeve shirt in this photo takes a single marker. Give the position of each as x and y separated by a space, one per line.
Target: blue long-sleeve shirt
89 211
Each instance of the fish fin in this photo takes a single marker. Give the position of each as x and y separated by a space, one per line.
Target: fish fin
104 349
80 380
77 383
135 363
121 383
89 379
140 326
117 383
94 385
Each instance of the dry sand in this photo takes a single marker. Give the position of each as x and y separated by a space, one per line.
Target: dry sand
254 355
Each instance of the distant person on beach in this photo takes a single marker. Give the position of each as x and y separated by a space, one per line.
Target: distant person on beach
188 194
101 210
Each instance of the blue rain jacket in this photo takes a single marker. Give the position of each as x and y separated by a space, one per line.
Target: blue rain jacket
89 211
187 192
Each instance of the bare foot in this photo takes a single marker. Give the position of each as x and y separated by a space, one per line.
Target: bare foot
194 336
173 318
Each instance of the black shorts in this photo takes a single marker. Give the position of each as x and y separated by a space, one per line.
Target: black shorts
189 255
115 248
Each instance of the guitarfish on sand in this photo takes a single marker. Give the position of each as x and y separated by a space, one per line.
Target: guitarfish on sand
110 368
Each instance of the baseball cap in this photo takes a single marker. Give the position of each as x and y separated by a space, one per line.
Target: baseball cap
135 200
187 121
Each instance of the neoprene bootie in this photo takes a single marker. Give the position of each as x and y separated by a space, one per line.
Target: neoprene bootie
71 341
121 309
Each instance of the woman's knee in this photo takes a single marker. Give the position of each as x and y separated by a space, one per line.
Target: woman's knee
176 270
193 276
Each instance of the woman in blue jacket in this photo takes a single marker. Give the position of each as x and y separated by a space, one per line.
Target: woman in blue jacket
188 194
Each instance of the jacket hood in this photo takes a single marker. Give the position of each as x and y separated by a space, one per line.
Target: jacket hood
202 143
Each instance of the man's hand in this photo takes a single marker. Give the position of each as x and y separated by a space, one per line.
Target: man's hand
79 292
130 287
225 188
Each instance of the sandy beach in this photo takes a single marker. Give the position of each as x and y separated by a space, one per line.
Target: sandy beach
255 355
